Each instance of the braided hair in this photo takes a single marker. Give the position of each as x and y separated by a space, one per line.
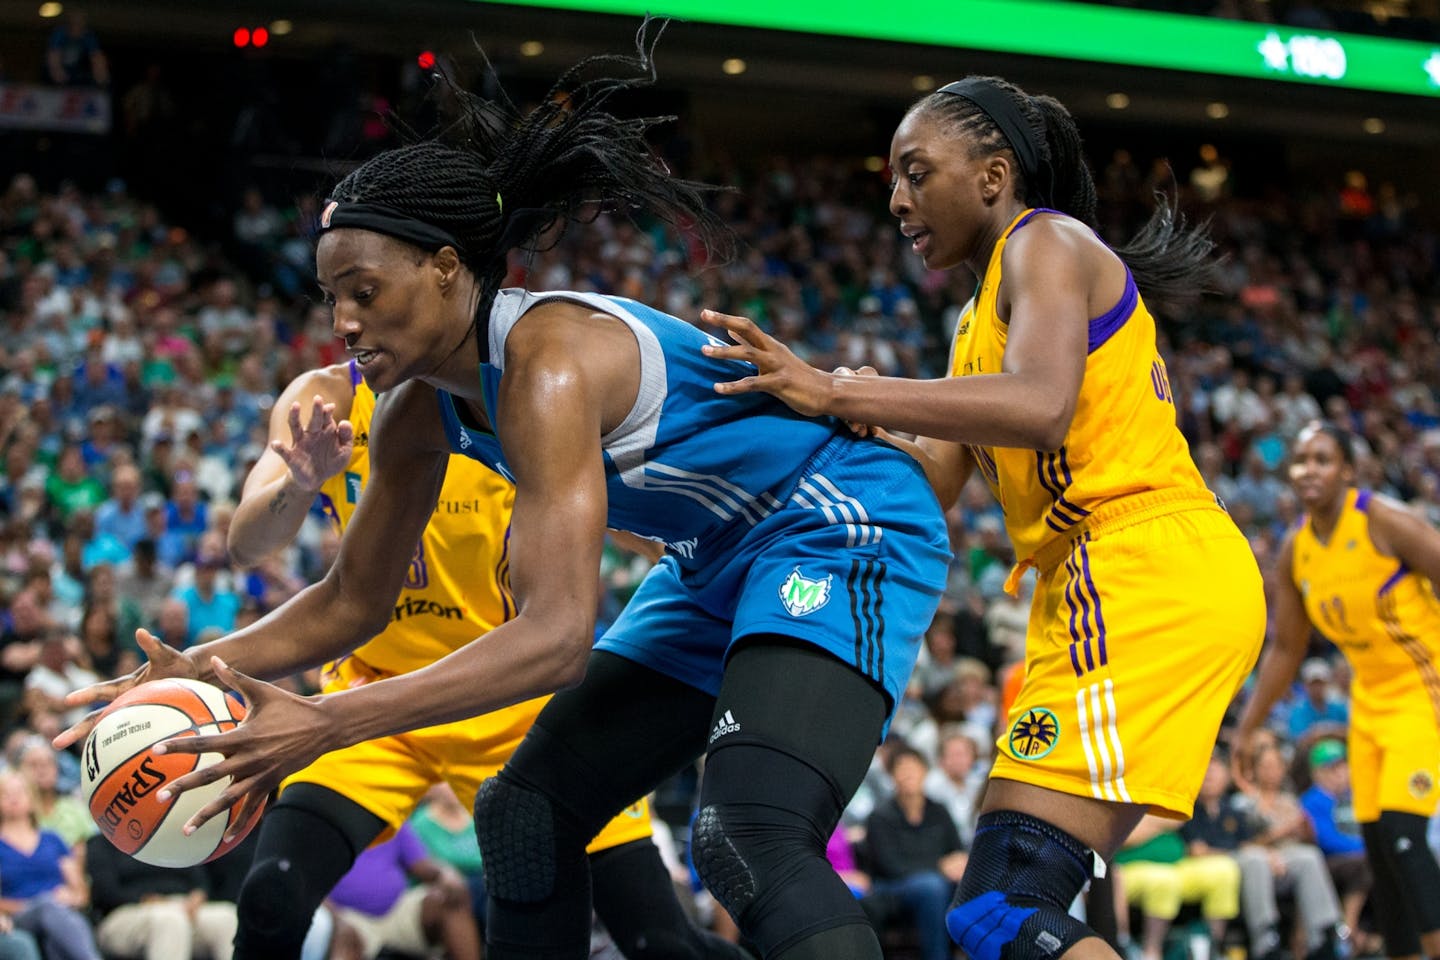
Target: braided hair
496 180
1169 260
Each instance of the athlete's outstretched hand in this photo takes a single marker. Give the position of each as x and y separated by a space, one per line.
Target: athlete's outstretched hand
161 662
280 734
318 450
778 371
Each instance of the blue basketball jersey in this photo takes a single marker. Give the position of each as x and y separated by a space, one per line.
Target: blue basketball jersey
774 523
689 467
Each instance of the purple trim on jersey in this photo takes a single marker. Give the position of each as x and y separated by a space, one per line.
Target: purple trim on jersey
1095 594
1032 214
1105 326
1362 501
355 376
1393 579
502 577
1075 638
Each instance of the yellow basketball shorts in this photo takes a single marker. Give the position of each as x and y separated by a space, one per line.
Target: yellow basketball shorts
1394 762
1142 629
390 775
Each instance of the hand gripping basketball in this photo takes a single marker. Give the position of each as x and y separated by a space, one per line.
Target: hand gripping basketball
282 733
162 662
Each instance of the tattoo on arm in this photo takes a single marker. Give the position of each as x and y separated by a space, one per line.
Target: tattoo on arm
279 502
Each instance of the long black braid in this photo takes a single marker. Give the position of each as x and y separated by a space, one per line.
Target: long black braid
497 181
1169 260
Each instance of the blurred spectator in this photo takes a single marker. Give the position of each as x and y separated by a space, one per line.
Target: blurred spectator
71 487
1328 806
73 57
446 828
958 780
1156 874
374 897
41 884
915 856
1320 710
56 674
122 515
156 913
1283 831
56 805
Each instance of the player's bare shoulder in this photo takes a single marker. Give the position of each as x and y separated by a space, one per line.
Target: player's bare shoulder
331 383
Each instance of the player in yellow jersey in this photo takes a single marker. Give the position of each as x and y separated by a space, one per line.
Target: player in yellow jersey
1361 569
457 589
1148 611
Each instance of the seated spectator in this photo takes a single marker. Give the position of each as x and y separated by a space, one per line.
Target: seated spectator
1155 874
56 674
122 515
209 605
1332 821
958 779
41 885
446 828
1297 865
57 809
155 913
374 900
71 487
914 853
1223 824
1320 712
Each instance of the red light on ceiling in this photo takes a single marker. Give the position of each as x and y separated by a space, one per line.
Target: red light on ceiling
260 36
242 37
426 60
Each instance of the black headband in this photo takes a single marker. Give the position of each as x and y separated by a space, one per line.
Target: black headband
999 106
392 223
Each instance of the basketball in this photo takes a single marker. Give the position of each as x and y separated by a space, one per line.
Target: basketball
121 775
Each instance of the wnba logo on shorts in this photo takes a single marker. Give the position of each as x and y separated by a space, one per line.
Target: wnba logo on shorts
1035 734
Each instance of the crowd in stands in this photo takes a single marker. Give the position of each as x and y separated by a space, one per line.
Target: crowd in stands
138 365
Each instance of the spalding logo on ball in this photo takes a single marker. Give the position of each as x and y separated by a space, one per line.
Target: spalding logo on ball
121 776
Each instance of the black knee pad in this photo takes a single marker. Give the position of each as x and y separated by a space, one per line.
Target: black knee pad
307 842
268 897
1416 871
759 840
516 829
1013 902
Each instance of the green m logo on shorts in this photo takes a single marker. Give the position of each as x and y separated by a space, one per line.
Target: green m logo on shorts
802 595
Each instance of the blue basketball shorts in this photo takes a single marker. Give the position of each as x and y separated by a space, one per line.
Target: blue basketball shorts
854 563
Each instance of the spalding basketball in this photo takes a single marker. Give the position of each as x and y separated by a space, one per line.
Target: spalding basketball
120 776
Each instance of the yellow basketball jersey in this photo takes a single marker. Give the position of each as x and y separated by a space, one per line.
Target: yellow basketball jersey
458 585
1122 441
1383 617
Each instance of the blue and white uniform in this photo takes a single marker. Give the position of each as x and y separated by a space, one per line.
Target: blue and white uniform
773 522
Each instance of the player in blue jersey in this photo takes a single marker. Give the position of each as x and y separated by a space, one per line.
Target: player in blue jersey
802 564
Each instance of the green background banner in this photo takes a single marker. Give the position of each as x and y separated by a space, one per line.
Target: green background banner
1081 32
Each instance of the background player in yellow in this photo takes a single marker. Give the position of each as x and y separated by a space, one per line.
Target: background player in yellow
1361 569
457 589
1149 610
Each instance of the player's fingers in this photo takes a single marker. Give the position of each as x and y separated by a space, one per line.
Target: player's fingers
867 371
741 351
346 431
294 420
225 743
743 385
253 801
247 687
77 732
222 802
